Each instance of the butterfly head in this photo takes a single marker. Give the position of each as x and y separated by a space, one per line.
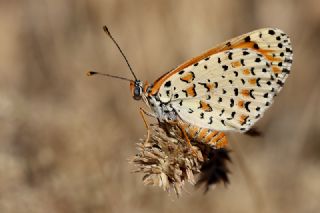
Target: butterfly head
136 88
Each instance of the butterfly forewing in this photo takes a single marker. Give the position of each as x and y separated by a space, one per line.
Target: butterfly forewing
229 87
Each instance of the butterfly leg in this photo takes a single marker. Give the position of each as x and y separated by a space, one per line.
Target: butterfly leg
184 133
191 148
143 112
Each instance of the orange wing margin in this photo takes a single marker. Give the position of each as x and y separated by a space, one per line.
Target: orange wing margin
238 42
159 82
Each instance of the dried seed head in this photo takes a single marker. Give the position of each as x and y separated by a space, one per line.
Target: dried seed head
167 162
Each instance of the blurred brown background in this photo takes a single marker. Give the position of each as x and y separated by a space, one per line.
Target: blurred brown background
66 138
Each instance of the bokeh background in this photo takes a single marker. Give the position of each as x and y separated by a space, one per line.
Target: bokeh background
65 139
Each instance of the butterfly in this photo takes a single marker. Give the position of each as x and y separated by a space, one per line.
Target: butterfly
227 88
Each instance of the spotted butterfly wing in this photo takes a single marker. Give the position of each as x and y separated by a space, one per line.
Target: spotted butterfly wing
230 86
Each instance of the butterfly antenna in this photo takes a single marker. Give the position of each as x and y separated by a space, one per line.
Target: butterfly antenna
90 73
105 28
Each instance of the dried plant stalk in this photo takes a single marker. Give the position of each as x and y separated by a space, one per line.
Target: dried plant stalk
167 162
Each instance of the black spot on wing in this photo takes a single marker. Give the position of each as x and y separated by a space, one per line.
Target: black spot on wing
258 82
251 93
243 81
231 102
224 67
246 105
252 71
288 50
271 32
167 84
236 91
267 64
245 53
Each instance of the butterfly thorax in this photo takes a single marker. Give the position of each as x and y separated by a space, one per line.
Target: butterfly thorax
161 110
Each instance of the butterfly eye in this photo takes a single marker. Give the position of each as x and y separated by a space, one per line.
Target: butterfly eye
137 92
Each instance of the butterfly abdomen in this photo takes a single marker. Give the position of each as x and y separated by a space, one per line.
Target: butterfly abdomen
211 137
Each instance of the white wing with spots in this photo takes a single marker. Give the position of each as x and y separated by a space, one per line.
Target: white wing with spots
232 88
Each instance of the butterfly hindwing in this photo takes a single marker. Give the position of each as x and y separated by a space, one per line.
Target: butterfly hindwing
231 88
